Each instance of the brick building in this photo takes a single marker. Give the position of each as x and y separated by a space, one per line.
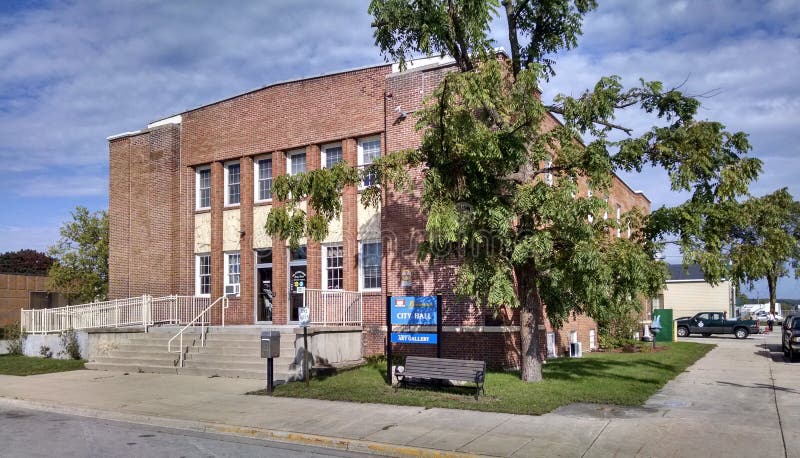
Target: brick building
190 194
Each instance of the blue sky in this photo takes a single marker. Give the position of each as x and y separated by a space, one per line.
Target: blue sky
76 72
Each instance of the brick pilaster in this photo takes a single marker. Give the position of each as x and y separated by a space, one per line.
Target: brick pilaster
350 220
246 241
280 267
217 202
313 160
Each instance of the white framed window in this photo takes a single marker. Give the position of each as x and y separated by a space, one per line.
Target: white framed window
232 273
551 345
592 342
233 184
202 269
331 155
333 271
548 177
203 186
573 337
369 149
296 162
370 265
619 214
263 174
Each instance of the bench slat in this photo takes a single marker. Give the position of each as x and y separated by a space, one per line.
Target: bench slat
443 368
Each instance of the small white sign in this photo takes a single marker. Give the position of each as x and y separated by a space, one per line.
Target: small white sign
305 316
301 289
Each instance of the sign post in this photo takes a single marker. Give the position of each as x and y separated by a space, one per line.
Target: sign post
305 320
412 311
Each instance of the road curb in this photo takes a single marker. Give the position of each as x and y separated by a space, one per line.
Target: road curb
337 443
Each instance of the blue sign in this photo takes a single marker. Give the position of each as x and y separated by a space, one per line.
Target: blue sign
413 338
414 310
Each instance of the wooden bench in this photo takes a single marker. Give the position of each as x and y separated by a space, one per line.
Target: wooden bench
462 370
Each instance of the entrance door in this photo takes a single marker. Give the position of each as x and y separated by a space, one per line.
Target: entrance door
297 285
265 296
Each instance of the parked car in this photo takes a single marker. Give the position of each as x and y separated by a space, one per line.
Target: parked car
790 341
762 316
707 323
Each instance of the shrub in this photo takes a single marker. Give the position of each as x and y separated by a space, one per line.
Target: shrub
16 339
44 350
69 340
618 331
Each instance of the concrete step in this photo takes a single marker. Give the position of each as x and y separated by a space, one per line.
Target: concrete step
155 369
137 352
250 366
113 360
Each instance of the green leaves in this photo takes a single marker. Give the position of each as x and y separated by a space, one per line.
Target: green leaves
81 254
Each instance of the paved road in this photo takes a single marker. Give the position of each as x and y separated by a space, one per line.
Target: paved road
34 433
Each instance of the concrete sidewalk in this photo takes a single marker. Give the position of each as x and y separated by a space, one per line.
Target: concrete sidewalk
741 399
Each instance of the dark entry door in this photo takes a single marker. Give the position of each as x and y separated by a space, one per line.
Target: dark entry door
265 294
297 285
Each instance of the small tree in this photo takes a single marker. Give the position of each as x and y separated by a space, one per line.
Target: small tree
81 267
766 241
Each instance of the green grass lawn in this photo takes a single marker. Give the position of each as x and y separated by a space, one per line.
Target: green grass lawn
25 365
612 378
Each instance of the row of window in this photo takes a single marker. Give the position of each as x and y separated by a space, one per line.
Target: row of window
369 149
332 272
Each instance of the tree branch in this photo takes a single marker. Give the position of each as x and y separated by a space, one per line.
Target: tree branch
611 125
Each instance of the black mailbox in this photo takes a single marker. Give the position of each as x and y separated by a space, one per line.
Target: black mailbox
270 344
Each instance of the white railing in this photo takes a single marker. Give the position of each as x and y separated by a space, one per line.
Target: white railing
134 311
203 319
334 308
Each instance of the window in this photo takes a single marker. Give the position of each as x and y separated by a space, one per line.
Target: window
264 256
331 155
589 195
573 337
549 176
264 176
203 269
592 343
232 184
369 149
334 267
232 270
296 163
370 265
299 254
551 345
619 213
203 188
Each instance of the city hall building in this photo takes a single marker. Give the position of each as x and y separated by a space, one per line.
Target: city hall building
190 195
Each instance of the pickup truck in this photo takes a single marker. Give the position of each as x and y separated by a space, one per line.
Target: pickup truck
707 323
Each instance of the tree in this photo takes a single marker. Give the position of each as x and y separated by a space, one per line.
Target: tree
502 192
81 266
766 241
25 262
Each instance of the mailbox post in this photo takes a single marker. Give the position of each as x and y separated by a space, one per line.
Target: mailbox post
655 328
305 321
270 348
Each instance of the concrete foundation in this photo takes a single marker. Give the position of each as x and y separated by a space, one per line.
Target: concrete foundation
331 345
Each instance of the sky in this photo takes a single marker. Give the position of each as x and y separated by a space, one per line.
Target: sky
75 72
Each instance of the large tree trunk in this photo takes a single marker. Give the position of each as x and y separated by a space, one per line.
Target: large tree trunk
772 284
530 317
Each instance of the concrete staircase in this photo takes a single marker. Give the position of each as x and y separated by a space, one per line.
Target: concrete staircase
229 352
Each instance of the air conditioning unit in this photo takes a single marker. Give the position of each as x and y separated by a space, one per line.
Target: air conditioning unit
575 350
231 290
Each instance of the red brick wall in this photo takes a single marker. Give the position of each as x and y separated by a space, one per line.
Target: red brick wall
285 116
145 229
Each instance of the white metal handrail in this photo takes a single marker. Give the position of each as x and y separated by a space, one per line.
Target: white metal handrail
334 307
133 311
224 303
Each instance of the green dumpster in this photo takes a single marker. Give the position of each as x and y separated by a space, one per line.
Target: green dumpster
667 333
